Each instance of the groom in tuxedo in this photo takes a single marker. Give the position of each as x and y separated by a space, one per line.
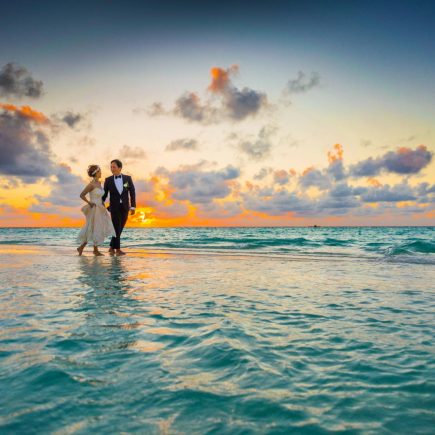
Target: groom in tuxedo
120 187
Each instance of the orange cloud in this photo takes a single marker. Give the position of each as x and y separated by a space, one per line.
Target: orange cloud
306 171
26 112
220 78
407 151
374 182
338 155
249 185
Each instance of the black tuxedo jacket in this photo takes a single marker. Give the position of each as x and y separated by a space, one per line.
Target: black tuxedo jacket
119 201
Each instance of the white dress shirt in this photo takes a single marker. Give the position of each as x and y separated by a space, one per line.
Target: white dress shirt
119 186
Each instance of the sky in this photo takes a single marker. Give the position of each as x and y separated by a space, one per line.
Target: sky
278 113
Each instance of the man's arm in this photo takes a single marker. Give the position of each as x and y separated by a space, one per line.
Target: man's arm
132 195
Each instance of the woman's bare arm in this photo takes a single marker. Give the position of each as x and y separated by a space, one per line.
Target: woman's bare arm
85 191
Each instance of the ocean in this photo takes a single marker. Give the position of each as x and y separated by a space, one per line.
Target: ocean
219 331
402 244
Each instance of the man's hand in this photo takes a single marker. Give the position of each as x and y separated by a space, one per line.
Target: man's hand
132 212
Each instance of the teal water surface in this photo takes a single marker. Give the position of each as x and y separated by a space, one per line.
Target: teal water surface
193 340
402 244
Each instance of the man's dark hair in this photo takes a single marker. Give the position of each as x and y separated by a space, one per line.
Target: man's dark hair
118 163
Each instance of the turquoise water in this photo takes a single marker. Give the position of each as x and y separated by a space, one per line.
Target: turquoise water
402 244
238 331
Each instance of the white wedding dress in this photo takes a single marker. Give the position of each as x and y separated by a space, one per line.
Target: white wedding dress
98 224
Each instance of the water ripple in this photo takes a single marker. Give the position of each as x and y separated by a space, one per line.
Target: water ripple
173 343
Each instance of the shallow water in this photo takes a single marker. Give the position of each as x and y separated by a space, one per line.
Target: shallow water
186 343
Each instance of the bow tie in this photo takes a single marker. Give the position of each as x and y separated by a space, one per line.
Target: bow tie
117 176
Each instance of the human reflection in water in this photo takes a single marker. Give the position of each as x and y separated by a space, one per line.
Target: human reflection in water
104 275
110 313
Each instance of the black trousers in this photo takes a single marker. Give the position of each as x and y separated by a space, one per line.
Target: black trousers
119 218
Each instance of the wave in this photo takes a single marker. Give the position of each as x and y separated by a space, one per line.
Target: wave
233 243
336 242
413 247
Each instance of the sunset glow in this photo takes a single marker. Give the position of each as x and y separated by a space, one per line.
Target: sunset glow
279 122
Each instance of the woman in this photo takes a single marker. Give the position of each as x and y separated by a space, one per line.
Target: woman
98 222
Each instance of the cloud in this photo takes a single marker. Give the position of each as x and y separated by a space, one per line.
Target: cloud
65 192
336 170
27 157
143 185
279 203
182 144
334 206
401 161
16 81
336 167
341 190
302 84
25 112
281 176
243 103
220 78
189 107
199 186
127 152
336 155
238 103
260 147
233 104
387 193
340 199
263 173
219 210
425 188
24 147
314 177
72 119
426 192
155 109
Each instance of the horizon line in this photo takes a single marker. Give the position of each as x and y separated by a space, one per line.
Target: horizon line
241 226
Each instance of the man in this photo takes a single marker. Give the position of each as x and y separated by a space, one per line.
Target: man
120 187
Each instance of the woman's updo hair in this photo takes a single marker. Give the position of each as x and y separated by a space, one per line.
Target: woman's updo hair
92 170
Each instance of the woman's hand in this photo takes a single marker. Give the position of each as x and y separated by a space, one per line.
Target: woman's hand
92 204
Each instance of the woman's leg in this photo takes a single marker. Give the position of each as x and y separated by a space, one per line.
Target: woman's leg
80 248
96 251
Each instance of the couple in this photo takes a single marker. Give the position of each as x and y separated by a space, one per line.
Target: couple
99 223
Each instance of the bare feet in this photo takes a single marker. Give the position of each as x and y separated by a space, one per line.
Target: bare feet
111 251
119 252
98 253
80 249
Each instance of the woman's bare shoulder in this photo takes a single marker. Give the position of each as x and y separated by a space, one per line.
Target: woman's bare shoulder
92 185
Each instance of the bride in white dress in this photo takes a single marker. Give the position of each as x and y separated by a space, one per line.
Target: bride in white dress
98 224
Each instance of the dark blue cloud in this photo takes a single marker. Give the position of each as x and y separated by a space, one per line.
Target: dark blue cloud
25 149
16 81
197 185
399 192
401 161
